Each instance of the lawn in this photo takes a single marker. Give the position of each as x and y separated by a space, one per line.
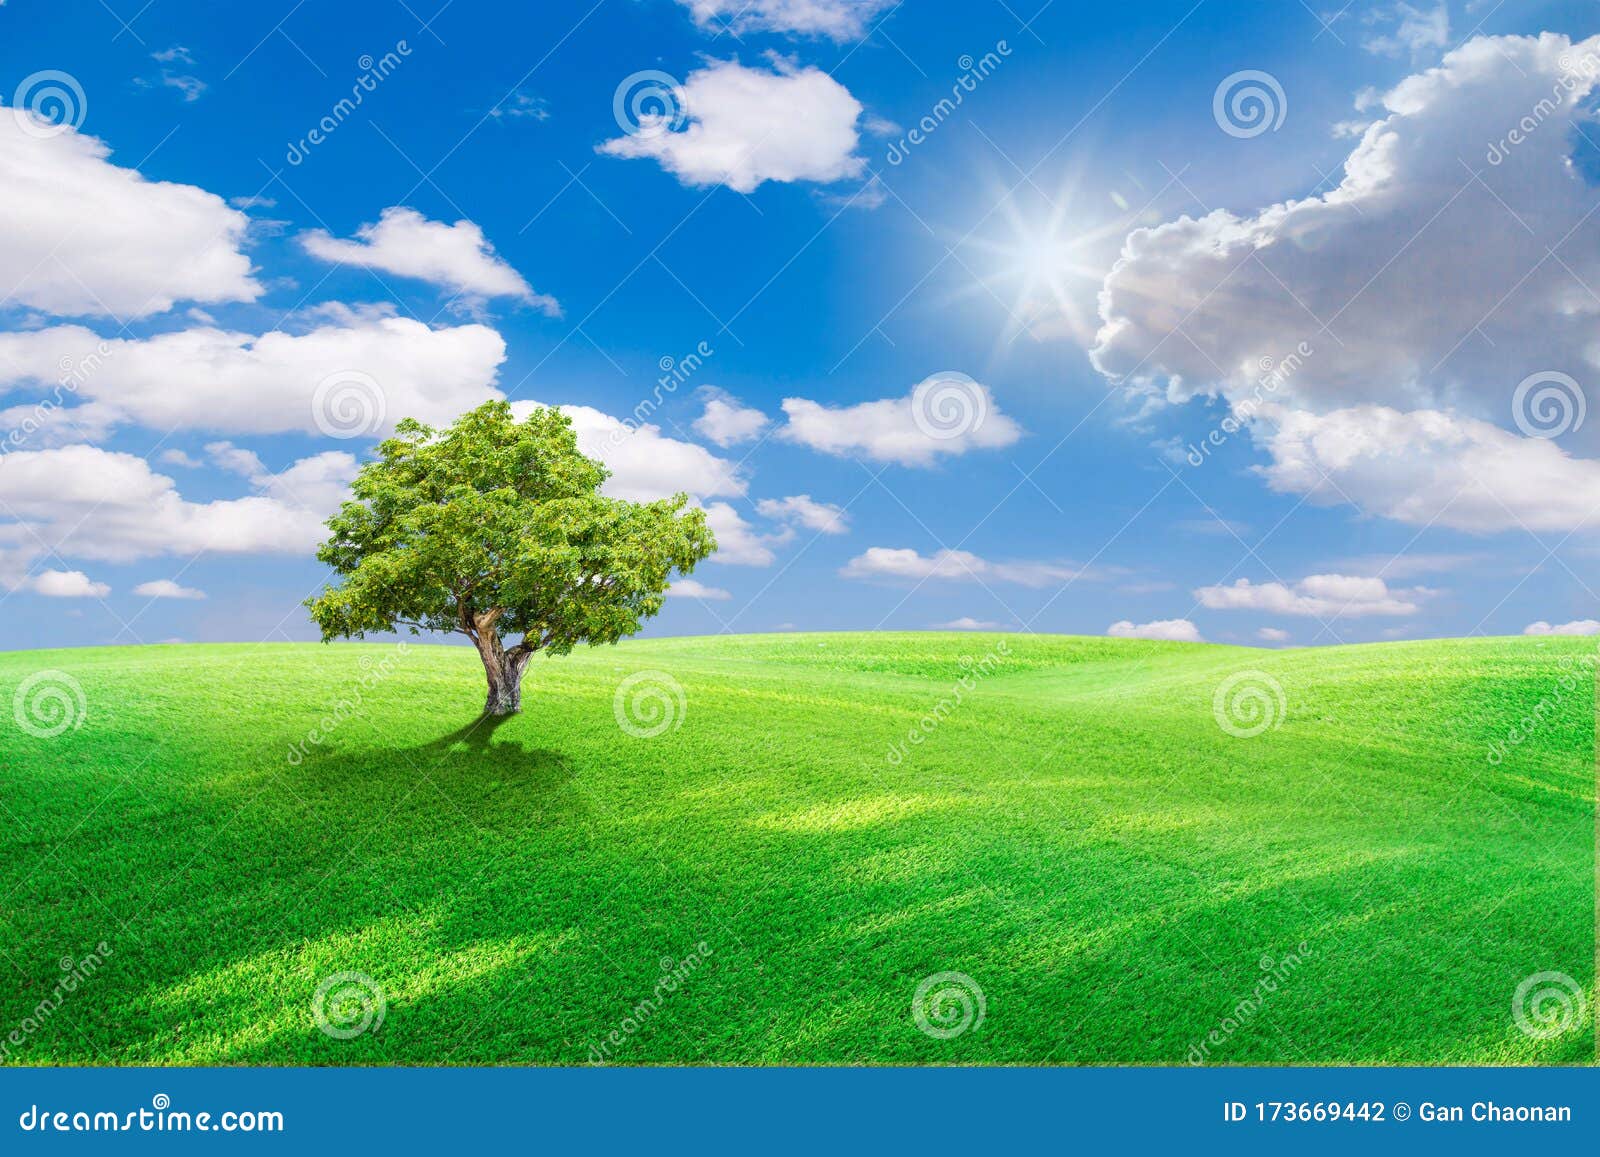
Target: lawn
1118 868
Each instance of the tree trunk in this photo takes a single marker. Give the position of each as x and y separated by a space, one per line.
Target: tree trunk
504 671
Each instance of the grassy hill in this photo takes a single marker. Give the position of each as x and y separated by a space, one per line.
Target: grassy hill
823 823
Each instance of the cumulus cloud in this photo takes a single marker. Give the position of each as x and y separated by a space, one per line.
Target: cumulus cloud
167 589
87 237
882 562
66 584
743 126
727 421
685 588
835 19
1319 596
457 257
1431 468
1172 630
913 431
802 509
739 543
1576 627
358 377
90 503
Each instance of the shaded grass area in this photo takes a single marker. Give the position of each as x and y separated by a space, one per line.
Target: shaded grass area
1073 831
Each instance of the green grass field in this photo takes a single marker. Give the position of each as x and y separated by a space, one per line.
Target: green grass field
1078 836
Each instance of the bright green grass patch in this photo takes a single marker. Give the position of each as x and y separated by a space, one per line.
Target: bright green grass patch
829 821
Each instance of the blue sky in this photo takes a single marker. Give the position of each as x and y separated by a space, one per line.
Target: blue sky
782 225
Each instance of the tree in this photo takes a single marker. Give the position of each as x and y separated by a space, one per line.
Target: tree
496 528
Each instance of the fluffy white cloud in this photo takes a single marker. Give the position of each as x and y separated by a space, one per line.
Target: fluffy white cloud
1437 286
644 464
728 421
685 588
66 584
406 243
882 562
742 126
967 623
357 377
1431 468
944 415
836 19
167 589
1576 627
824 517
1272 635
85 502
739 543
84 236
1320 596
1172 630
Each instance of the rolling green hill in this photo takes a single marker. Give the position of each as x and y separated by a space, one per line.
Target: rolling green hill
889 848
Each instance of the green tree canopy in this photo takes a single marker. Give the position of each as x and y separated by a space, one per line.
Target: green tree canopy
496 528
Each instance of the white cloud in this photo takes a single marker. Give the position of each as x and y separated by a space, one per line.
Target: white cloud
1430 468
1416 31
1433 292
881 562
912 431
1576 627
167 589
644 464
385 368
685 588
738 543
1172 630
836 19
66 584
745 126
85 502
824 517
406 243
1272 635
967 623
1320 596
727 421
85 237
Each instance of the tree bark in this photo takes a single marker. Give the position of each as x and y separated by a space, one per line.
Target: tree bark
502 668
